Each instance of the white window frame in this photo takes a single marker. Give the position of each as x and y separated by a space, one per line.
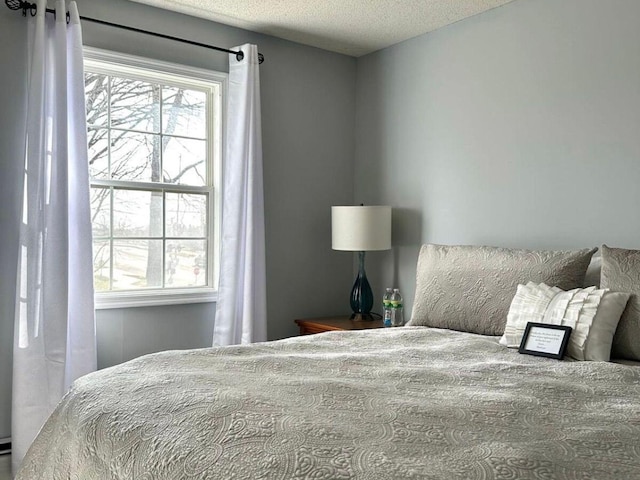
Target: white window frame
112 63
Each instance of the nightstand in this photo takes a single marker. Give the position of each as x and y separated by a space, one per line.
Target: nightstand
326 324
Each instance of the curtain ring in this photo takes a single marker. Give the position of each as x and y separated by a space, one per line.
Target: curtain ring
240 56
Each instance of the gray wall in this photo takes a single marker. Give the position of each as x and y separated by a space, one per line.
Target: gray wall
519 127
308 105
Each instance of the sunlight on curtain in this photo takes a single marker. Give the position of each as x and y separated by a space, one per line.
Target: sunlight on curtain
54 340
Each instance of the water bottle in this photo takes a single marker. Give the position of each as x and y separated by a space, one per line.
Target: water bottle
386 308
397 312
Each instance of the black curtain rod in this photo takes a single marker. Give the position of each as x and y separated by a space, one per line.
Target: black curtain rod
32 8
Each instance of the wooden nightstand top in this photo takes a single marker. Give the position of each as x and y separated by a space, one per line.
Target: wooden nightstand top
326 324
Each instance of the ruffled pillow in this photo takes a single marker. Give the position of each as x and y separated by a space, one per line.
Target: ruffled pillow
592 313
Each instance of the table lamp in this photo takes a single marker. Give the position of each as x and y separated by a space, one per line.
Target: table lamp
361 229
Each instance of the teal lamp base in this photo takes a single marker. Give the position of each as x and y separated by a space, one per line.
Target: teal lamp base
361 294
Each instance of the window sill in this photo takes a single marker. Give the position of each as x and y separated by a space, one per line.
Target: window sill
152 298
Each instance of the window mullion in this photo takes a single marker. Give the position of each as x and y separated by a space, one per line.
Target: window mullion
111 249
163 274
109 173
150 186
164 237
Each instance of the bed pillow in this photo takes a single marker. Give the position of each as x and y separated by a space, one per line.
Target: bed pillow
470 288
621 272
592 313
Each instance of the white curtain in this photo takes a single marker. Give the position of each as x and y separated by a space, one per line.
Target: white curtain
241 311
54 340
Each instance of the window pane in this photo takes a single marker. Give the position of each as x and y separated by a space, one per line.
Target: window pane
100 207
135 156
101 257
98 145
135 105
183 112
186 263
184 161
186 215
137 213
96 90
137 264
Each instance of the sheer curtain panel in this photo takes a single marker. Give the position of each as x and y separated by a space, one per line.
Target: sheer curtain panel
241 310
54 340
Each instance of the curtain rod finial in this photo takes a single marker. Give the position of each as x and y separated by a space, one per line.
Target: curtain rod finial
20 4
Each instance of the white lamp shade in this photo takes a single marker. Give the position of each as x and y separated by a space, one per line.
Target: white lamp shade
361 229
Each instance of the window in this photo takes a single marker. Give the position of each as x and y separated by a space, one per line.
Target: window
154 139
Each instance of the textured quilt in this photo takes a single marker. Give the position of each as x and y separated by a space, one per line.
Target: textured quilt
399 403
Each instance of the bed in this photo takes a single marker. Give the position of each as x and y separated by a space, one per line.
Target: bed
421 402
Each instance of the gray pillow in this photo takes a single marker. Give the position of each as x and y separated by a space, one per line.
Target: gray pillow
621 272
470 288
594 270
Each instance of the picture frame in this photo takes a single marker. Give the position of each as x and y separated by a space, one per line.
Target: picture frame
545 340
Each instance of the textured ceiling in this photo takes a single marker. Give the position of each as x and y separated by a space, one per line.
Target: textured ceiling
352 27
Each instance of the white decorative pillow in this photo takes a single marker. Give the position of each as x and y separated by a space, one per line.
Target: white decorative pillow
592 313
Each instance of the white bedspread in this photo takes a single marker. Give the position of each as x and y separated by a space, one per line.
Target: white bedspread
381 404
